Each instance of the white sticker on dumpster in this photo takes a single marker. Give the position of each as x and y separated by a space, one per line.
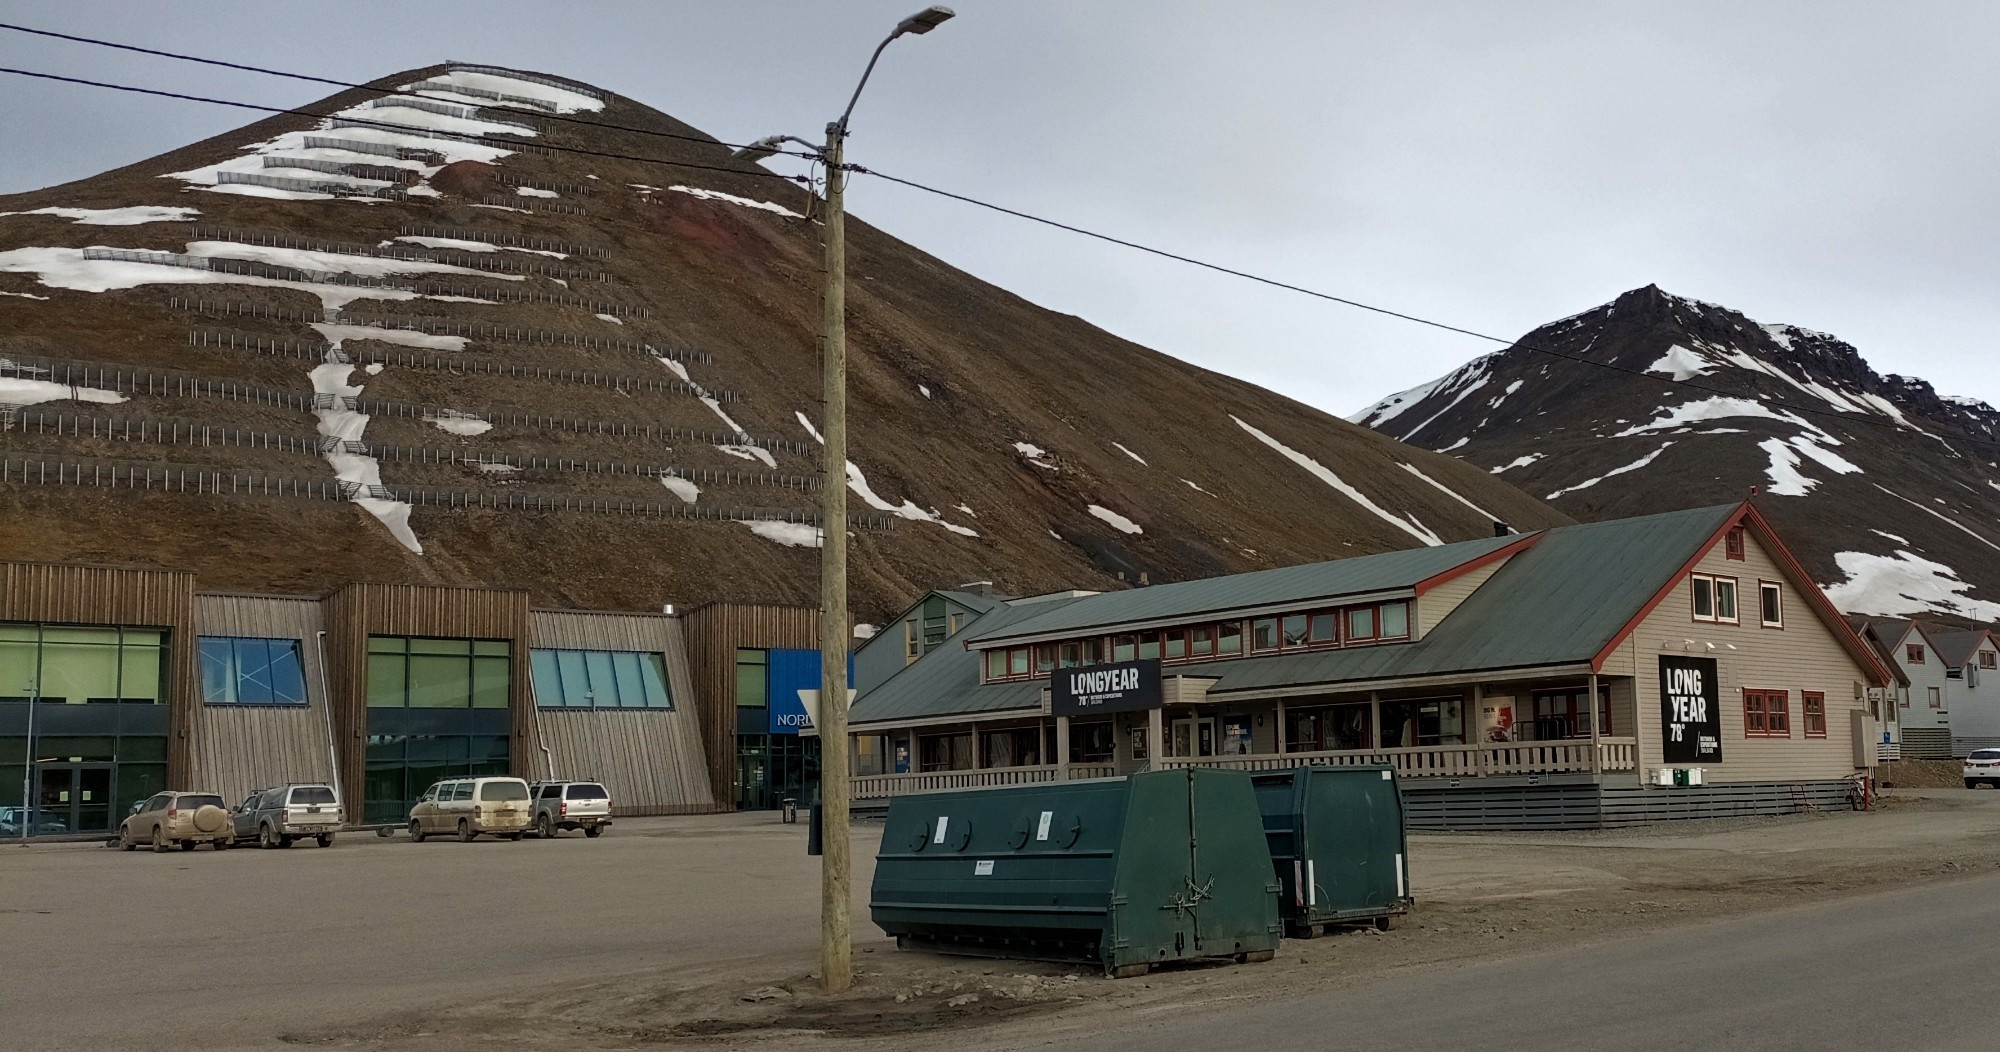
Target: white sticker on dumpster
983 868
1387 777
939 838
1042 826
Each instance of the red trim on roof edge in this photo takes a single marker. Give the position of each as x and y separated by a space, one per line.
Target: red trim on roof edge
1747 514
1527 541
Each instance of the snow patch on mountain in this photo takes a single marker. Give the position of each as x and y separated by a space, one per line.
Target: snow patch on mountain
16 390
1519 462
1682 363
1449 492
1117 521
858 482
130 215
1895 585
1633 466
1129 453
789 534
1399 403
1411 525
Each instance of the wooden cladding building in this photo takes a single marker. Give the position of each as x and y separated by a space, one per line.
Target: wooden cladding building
119 682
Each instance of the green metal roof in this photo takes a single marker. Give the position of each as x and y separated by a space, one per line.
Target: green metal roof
946 680
1360 575
1557 603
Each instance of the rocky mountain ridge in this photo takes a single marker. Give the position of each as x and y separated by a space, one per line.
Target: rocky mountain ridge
1888 491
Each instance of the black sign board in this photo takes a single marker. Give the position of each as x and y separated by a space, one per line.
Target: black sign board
1690 710
1128 686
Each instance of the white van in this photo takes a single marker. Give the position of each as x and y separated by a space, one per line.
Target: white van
471 806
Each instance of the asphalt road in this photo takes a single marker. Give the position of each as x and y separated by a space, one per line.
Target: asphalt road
1903 970
100 949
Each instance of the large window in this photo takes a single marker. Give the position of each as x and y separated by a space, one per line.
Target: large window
753 677
77 666
417 673
600 679
244 670
401 766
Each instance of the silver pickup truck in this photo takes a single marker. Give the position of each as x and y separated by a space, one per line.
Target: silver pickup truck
277 816
570 805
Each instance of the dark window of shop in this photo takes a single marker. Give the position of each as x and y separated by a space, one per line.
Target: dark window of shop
244 670
1092 742
600 679
945 752
1561 714
1328 728
1020 747
1423 722
437 708
99 723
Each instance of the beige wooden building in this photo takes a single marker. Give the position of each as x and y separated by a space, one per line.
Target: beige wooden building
1518 681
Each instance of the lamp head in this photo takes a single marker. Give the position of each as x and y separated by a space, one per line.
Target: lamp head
924 21
759 150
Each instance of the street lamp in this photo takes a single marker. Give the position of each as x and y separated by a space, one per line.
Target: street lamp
836 958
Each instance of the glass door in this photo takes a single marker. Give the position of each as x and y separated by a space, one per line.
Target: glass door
72 798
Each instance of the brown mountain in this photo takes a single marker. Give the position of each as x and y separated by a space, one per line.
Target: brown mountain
1887 490
294 355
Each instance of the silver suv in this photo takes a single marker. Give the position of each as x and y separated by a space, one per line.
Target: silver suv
277 816
570 805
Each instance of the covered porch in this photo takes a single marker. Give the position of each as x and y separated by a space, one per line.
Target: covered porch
1502 728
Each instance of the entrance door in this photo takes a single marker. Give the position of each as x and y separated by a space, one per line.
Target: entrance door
72 798
1192 737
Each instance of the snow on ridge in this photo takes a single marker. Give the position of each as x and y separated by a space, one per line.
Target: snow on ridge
460 423
1449 492
130 215
1783 470
1399 403
1717 407
1117 521
1633 466
1934 513
331 378
336 333
1890 536
1129 453
1519 462
1035 453
1896 585
858 482
1411 525
65 268
717 195
1196 486
22 391
743 450
335 262
563 99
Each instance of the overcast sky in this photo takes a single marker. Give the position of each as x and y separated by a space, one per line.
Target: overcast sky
1827 164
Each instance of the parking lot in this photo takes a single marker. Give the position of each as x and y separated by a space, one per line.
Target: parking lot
686 928
231 949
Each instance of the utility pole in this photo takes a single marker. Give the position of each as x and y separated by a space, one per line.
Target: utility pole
836 953
836 959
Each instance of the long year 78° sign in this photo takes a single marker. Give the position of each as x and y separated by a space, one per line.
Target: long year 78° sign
1128 686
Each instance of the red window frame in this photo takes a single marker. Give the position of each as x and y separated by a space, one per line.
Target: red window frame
1767 714
1732 545
1913 653
1812 711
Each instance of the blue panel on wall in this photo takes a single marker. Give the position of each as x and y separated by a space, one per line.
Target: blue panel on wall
789 672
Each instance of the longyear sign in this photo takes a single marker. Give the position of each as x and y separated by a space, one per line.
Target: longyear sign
1128 686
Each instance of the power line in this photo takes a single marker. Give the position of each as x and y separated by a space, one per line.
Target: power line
1418 319
486 140
963 198
266 71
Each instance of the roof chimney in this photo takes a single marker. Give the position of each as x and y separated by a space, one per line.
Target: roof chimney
1143 582
1501 529
977 587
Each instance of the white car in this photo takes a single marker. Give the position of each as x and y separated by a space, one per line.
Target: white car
1982 767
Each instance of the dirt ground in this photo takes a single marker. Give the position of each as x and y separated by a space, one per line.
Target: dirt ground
1481 896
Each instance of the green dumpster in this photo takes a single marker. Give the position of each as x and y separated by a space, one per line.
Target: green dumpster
1123 873
1337 845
